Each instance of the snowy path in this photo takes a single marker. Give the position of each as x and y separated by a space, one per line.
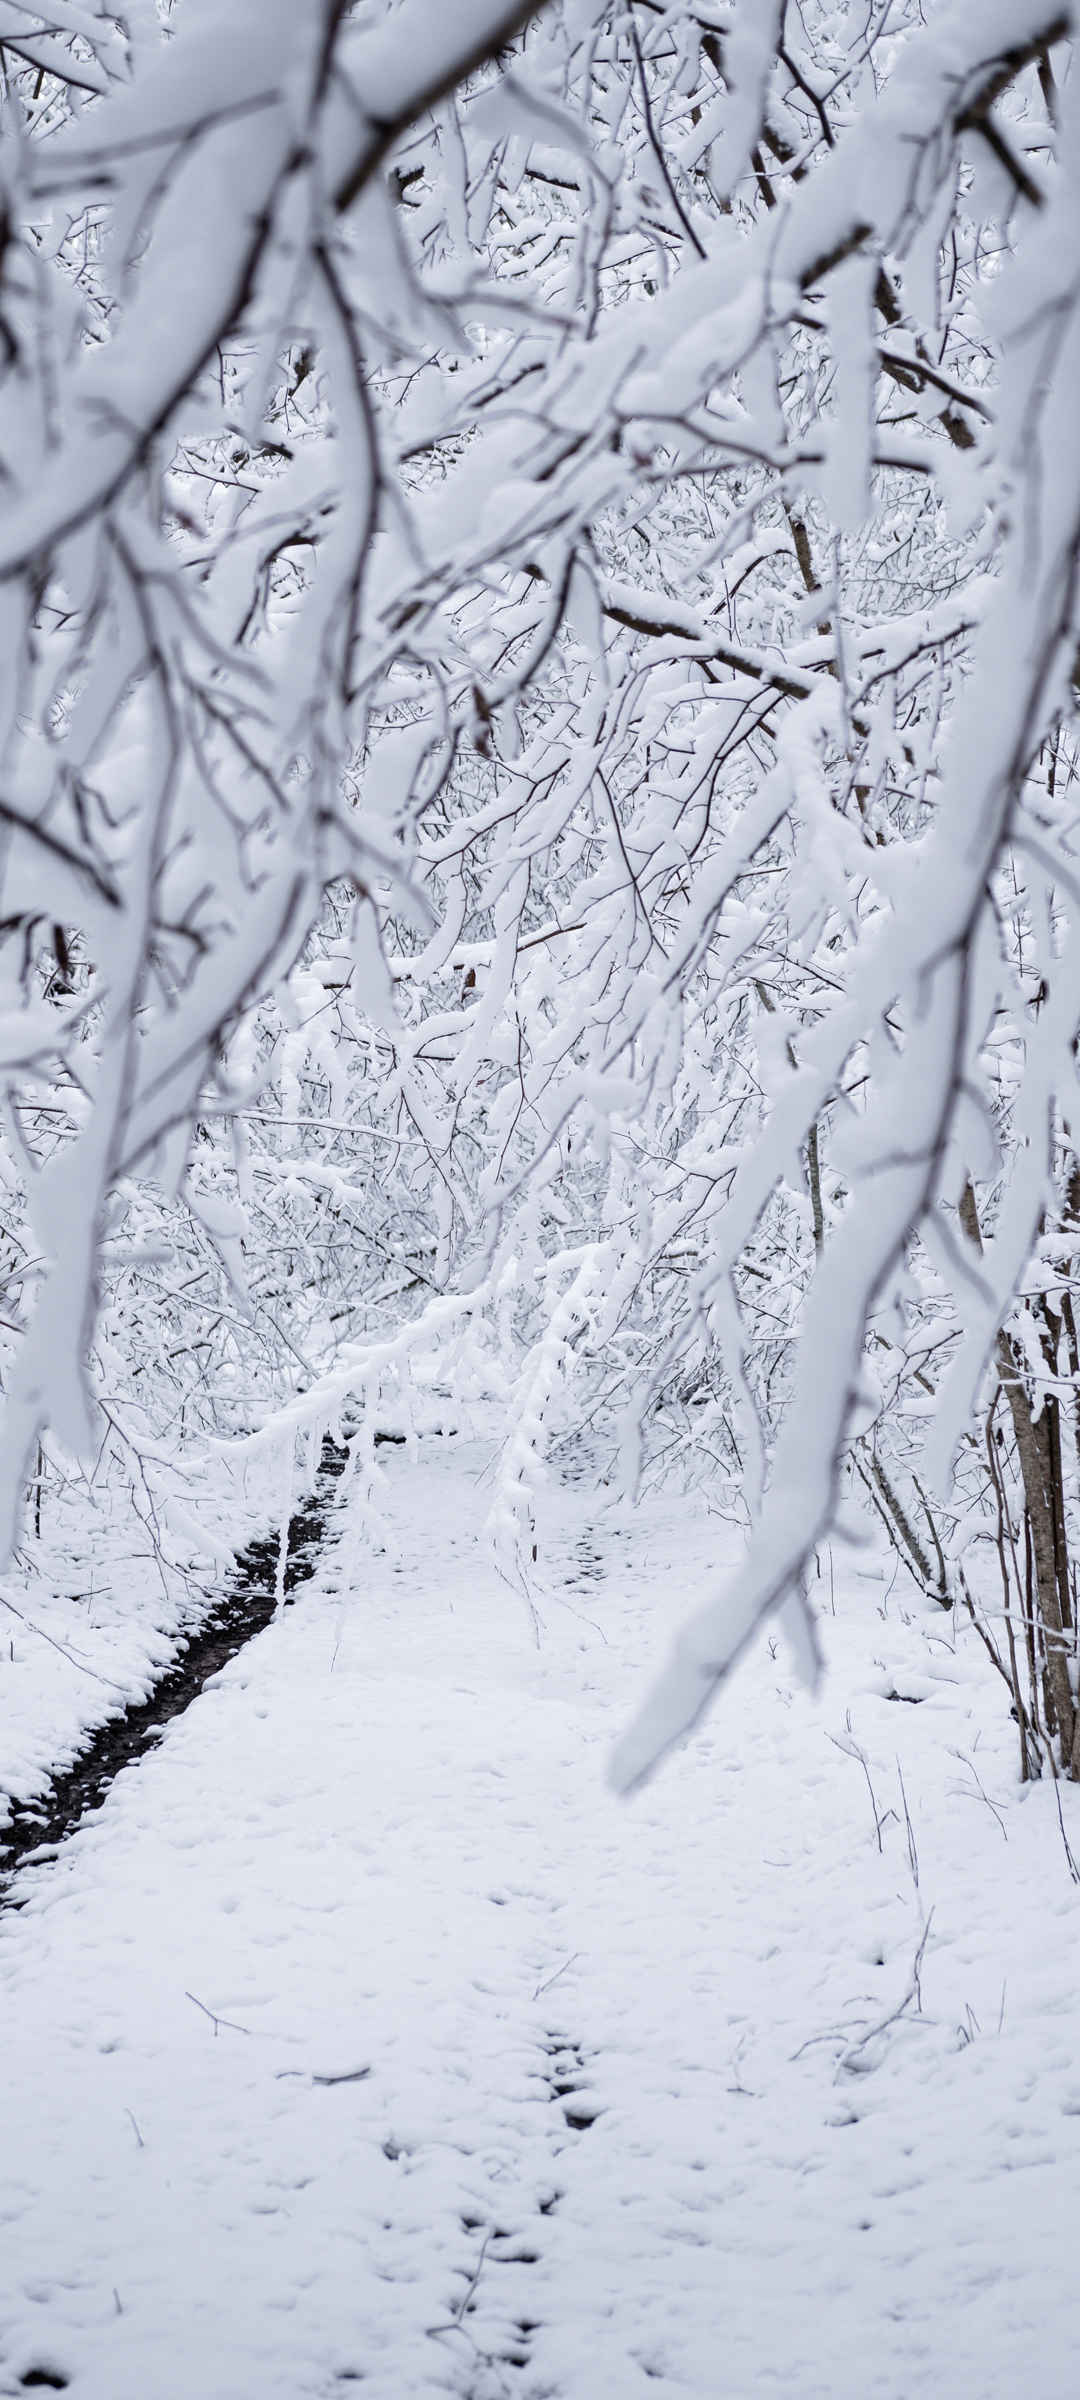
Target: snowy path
514 2090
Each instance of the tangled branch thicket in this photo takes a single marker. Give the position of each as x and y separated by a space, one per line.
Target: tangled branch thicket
539 806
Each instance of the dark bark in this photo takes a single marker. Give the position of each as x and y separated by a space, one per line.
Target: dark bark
1040 1465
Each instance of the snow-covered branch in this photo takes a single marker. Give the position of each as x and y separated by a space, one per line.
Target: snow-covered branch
538 578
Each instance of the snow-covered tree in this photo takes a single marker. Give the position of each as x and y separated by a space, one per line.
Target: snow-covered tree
540 635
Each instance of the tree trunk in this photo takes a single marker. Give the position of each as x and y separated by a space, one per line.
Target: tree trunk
1040 1463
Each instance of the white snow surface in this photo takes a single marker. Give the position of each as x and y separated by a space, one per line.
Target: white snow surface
364 2040
92 1610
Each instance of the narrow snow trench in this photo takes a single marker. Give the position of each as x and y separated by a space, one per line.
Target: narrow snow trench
36 1827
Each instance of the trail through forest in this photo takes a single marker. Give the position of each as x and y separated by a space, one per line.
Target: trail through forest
540 932
362 2039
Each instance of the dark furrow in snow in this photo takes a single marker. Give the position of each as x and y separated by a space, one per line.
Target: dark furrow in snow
38 1826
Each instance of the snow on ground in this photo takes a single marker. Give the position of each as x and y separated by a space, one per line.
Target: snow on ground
94 1604
364 2041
